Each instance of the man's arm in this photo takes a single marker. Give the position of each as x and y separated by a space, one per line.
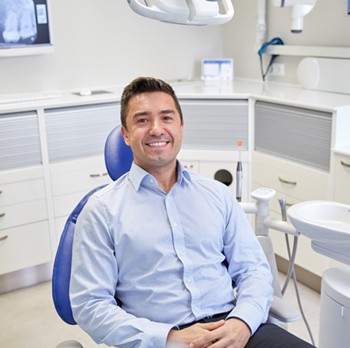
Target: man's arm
249 270
94 279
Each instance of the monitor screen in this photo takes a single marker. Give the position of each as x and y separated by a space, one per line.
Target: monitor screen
25 27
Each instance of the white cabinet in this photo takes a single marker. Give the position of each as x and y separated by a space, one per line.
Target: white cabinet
342 178
70 181
292 156
216 136
75 141
295 183
24 228
79 131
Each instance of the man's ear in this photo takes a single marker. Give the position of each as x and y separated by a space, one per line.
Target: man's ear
125 135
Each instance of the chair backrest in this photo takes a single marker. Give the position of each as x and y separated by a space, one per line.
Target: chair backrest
118 156
118 159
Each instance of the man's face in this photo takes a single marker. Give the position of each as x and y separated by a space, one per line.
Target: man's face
154 130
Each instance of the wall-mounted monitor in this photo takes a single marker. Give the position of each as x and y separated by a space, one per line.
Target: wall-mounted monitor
25 27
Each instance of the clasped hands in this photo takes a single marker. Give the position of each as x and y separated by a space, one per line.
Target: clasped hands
231 333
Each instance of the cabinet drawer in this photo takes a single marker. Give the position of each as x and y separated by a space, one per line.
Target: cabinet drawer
23 191
24 213
24 246
342 179
81 181
289 178
78 175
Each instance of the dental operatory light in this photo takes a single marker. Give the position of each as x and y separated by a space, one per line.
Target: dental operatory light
187 12
298 9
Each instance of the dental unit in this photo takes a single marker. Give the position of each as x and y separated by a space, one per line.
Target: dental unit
263 222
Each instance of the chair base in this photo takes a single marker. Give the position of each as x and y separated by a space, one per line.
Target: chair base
69 344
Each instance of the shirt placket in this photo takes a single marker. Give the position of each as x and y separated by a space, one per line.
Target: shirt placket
182 253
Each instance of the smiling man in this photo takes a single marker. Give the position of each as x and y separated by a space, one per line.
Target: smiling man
164 257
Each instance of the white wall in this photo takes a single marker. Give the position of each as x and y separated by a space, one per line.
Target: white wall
327 25
101 43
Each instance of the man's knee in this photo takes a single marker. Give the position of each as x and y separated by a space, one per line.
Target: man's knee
273 336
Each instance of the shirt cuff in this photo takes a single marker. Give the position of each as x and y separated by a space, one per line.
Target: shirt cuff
252 316
156 335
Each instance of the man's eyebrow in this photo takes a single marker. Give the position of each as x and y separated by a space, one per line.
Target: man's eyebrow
140 114
162 112
167 111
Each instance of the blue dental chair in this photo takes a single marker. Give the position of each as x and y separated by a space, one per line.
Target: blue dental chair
118 159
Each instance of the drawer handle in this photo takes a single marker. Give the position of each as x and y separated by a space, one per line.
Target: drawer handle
3 237
98 175
2 215
347 165
287 181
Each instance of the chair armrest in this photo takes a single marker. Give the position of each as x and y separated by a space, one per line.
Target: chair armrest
283 311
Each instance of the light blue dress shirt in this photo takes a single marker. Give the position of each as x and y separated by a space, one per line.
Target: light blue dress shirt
169 258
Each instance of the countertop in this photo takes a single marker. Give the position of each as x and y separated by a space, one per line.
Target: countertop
288 94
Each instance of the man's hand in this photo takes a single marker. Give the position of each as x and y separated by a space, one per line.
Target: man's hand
232 333
191 333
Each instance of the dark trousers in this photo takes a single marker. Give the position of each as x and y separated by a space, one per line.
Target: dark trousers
267 336
273 336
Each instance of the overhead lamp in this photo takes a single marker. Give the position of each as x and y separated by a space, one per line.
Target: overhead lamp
187 12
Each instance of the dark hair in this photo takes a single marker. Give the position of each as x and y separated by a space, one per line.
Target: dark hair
144 85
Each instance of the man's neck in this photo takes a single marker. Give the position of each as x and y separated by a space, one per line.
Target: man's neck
166 178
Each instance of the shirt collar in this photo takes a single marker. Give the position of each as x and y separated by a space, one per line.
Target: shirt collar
137 175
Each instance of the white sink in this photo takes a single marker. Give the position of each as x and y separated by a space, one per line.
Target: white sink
327 223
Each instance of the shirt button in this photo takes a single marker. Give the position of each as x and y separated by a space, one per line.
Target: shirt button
175 224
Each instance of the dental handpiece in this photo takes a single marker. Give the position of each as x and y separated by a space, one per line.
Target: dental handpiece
283 205
239 179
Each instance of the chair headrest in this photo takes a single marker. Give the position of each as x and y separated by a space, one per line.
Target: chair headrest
118 155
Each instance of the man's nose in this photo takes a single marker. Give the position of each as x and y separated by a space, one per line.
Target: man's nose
156 128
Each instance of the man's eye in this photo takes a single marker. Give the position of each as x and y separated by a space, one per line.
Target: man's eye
141 120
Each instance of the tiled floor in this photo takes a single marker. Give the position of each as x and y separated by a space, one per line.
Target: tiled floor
28 319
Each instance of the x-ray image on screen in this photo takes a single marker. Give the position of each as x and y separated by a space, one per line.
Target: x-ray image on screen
23 22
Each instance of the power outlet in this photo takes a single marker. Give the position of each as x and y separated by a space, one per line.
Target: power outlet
277 69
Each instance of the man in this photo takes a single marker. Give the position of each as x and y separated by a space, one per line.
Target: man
164 257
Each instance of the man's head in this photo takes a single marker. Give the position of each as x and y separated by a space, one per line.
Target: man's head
152 124
142 85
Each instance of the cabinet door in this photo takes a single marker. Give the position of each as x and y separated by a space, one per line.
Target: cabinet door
24 246
342 179
81 131
301 135
292 156
19 140
215 124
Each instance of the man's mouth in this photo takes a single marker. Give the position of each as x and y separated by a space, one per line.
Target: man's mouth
157 143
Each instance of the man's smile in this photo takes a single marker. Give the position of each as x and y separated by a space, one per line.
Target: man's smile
157 143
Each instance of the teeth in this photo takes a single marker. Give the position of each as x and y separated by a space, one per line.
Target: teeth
159 143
